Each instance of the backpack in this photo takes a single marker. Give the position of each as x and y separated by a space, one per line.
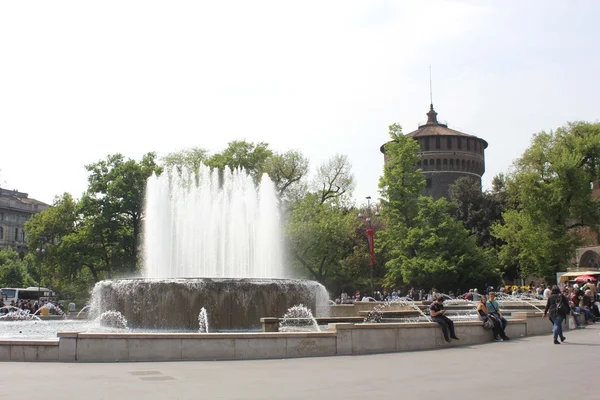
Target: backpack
562 307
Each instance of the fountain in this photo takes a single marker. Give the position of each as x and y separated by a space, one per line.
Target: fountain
112 319
16 314
82 310
377 314
213 240
52 310
203 321
506 299
299 319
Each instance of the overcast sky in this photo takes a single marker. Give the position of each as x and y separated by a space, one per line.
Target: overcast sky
81 80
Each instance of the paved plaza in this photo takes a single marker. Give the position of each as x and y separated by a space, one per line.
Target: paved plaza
531 367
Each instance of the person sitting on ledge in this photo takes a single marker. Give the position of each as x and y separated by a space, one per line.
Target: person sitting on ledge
436 311
573 307
587 305
482 309
494 309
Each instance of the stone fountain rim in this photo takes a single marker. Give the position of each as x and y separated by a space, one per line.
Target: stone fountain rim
215 279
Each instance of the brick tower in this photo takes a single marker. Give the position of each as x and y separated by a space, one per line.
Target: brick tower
446 155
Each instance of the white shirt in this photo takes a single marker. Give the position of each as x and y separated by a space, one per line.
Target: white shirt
547 293
71 307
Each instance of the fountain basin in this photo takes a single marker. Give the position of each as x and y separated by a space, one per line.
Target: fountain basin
232 304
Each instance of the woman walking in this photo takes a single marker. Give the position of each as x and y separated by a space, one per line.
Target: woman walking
559 308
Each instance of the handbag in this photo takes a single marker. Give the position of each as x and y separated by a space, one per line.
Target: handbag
488 324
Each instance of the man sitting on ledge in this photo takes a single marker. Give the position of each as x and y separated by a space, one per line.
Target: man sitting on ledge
436 311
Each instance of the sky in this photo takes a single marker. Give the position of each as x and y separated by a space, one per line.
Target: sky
82 80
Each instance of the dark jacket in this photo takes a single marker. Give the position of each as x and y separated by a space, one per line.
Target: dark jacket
553 303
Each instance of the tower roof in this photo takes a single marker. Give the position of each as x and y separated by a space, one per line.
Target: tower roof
434 128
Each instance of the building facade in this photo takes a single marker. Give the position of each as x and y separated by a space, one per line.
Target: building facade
446 155
15 209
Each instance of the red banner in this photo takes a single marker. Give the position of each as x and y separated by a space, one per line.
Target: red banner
370 236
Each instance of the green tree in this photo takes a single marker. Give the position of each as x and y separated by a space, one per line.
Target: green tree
99 235
286 169
13 271
445 255
241 154
187 158
322 228
320 236
552 200
113 208
334 178
46 230
477 210
425 246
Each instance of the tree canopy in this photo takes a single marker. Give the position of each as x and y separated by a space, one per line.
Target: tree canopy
13 270
102 231
426 246
551 189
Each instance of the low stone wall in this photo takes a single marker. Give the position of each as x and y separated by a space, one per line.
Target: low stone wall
201 347
29 350
387 338
341 339
538 325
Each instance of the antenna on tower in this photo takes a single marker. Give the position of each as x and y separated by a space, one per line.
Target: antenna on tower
430 87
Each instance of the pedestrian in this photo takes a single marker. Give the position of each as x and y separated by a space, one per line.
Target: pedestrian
436 311
558 307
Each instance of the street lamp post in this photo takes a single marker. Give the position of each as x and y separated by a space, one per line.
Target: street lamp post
370 210
41 252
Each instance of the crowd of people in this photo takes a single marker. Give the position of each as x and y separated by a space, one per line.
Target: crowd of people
561 301
31 306
540 292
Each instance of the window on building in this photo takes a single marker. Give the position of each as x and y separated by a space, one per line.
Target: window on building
1 216
449 142
22 235
463 165
1 233
437 142
426 144
457 164
438 163
16 234
428 182
451 163
445 163
459 141
476 145
468 144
